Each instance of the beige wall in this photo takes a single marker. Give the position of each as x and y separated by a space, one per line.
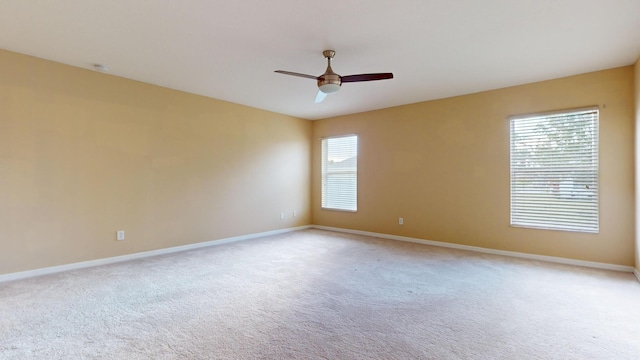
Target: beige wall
637 159
83 154
444 167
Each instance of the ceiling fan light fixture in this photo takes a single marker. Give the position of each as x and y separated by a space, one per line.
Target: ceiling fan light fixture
329 82
329 88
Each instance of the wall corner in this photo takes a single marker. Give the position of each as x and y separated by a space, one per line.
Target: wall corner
637 163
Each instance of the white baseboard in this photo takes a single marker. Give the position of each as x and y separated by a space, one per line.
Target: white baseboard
553 259
140 255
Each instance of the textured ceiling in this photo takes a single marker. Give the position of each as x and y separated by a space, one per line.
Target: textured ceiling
229 49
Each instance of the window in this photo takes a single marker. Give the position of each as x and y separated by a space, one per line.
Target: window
554 171
340 173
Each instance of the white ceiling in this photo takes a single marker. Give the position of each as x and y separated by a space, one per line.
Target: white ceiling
228 49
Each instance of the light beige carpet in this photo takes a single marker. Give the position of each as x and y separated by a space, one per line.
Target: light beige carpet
321 295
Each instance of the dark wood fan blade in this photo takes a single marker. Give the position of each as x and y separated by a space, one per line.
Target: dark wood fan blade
367 77
297 74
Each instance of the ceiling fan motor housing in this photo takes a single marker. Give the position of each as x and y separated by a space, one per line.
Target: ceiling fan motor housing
329 83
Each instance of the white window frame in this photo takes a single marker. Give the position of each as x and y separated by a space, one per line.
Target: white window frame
336 196
555 171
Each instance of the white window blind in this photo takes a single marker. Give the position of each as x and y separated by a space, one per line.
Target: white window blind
340 173
554 171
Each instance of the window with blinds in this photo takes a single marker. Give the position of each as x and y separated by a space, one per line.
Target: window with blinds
554 171
340 173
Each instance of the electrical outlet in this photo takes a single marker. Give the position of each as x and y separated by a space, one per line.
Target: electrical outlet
294 213
400 221
120 234
281 216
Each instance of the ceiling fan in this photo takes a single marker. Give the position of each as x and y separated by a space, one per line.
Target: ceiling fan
330 82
